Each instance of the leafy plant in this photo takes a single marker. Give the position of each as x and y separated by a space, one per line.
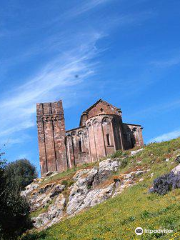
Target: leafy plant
118 154
14 210
166 183
20 173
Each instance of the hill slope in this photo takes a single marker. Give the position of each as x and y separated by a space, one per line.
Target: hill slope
117 218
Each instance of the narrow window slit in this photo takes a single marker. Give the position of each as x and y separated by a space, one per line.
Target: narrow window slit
108 139
80 147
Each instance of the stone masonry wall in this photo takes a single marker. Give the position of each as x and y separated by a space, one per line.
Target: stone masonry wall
51 137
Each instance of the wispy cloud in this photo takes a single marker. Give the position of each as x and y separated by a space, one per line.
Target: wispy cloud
172 61
52 82
87 6
134 18
166 136
158 108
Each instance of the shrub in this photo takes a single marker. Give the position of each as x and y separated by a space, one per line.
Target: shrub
20 173
14 210
166 183
119 153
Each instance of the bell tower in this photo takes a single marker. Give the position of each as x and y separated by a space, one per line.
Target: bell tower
51 137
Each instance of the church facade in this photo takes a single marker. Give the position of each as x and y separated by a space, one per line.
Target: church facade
101 132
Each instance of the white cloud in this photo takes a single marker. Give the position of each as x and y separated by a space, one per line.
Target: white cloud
172 61
87 6
166 136
157 109
51 83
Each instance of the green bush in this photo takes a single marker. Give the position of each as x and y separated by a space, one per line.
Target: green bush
20 173
14 210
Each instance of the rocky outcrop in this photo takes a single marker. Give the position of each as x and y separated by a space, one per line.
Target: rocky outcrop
54 214
90 187
42 195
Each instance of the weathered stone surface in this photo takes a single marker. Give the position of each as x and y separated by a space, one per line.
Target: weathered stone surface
53 215
83 194
41 196
106 168
90 199
29 189
45 188
57 190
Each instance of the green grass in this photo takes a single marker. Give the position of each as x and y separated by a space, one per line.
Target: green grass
117 218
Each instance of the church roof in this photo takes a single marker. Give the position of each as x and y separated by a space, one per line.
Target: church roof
100 100
86 112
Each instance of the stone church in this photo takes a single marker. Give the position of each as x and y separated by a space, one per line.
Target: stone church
101 132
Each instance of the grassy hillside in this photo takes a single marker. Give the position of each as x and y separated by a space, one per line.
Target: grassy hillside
117 218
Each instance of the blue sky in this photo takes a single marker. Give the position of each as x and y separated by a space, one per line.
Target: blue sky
126 52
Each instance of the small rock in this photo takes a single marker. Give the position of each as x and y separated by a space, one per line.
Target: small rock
136 151
176 170
177 158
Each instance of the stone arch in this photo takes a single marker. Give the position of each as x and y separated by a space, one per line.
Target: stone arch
106 120
89 124
95 122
